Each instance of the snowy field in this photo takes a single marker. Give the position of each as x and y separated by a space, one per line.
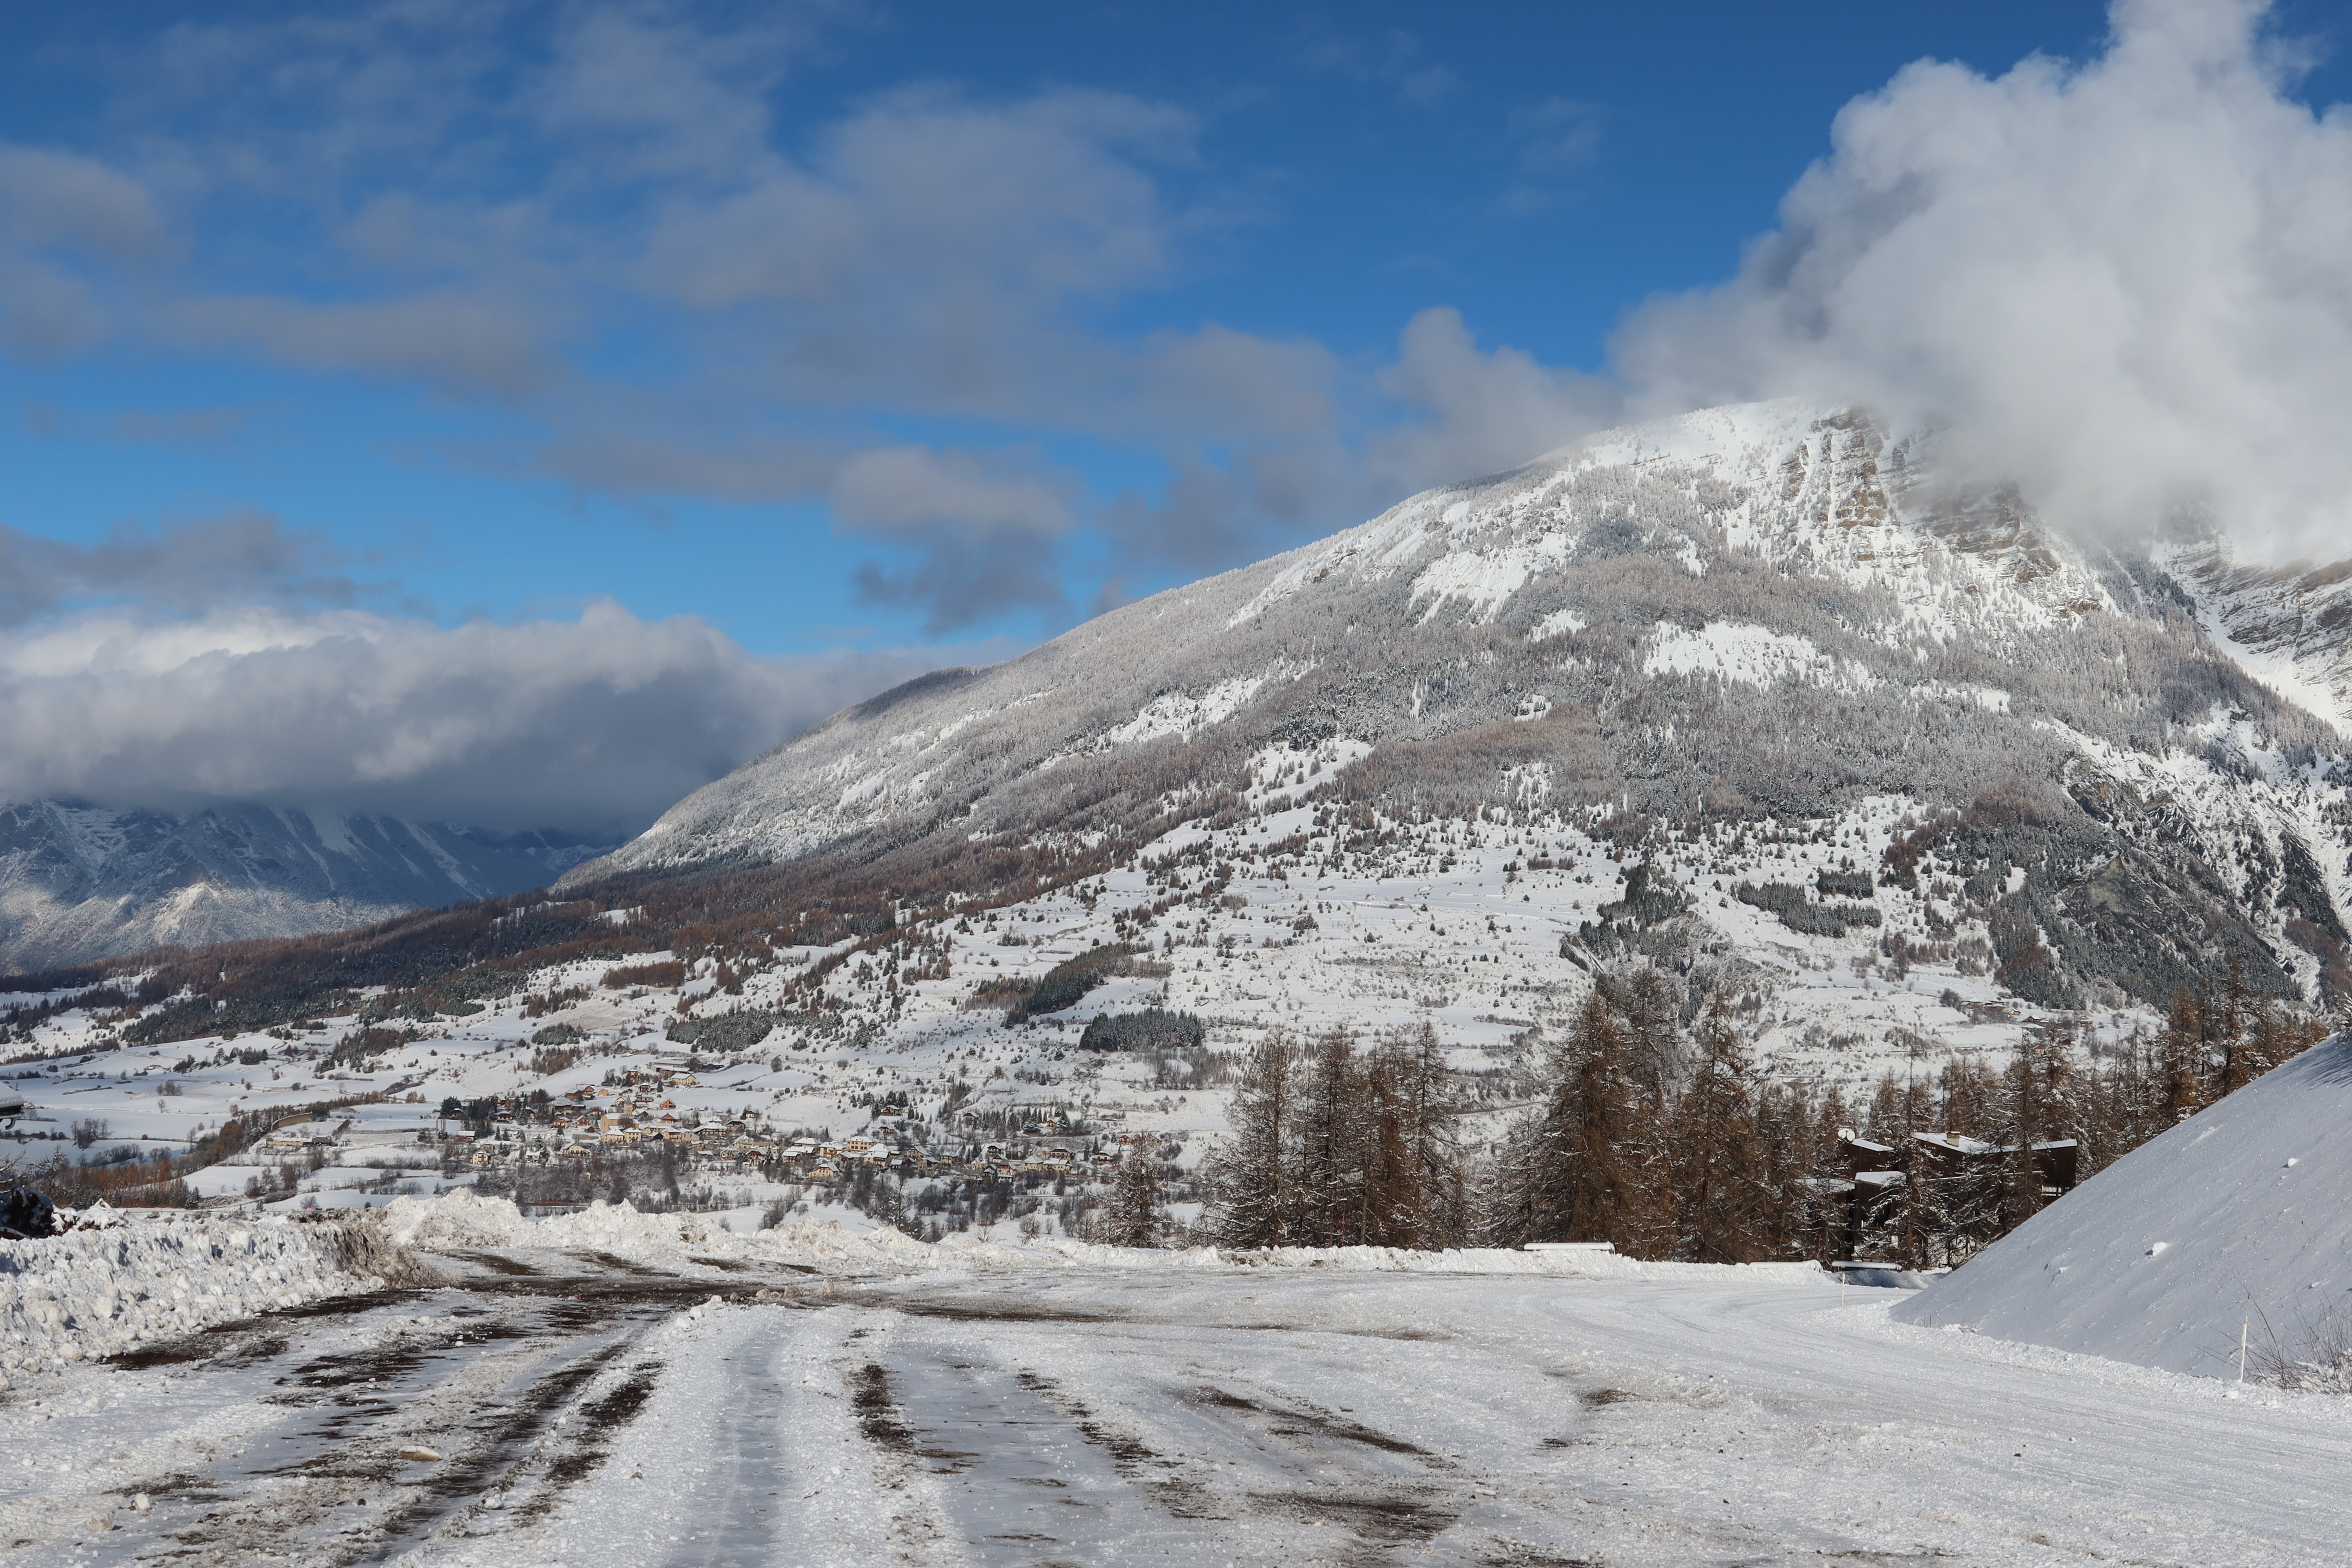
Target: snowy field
634 1392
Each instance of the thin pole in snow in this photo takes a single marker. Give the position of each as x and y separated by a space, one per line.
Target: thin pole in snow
2242 1327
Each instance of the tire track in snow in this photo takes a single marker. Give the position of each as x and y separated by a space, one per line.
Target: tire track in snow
1136 1458
298 1434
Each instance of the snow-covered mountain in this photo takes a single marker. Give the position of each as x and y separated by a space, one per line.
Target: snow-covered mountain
2112 774
81 881
2290 626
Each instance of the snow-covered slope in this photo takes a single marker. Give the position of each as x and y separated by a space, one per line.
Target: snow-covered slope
2241 1214
78 881
2290 626
1693 530
1769 612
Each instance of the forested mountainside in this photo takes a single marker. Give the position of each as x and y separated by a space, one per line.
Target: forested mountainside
79 882
2122 773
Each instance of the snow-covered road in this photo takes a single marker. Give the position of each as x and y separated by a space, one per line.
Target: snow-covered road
595 1412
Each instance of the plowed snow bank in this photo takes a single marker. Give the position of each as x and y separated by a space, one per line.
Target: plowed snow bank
2243 1211
93 1293
460 1219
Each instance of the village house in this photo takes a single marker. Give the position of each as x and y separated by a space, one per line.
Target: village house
1939 1197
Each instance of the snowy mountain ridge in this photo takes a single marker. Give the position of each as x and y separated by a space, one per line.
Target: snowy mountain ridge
2290 627
1777 612
1814 492
1822 498
79 881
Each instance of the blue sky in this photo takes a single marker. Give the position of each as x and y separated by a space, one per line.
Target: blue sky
1311 180
860 332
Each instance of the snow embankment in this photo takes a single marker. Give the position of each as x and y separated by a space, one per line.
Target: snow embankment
460 1219
98 1292
1575 1265
2240 1215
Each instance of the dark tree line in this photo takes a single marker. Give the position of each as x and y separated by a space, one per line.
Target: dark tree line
1660 1138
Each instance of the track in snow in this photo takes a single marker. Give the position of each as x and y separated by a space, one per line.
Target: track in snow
587 1414
280 1438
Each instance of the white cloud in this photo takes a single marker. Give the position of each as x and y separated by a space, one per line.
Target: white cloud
599 722
245 557
928 202
1557 138
2126 285
60 214
1394 60
2121 284
457 342
65 199
985 531
1481 410
659 99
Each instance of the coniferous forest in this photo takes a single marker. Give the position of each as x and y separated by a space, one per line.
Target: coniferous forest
1660 1138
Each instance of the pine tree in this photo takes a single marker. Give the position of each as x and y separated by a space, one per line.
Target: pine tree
1717 1157
1433 1141
2275 1036
1134 1218
1655 1068
1388 1199
1653 1053
1577 1186
2182 1088
2225 1033
1250 1175
2124 1104
2041 1100
1413 1191
1331 1128
1923 1198
1805 1167
1512 1192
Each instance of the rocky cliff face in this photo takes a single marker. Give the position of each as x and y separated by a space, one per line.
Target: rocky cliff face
2290 626
2119 774
79 881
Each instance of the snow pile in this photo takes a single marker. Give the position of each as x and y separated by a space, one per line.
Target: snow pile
1564 1265
2242 1213
98 1292
461 1220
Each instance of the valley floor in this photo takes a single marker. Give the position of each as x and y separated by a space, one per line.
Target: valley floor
574 1407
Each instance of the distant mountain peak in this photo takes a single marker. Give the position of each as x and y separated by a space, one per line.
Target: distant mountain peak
79 880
